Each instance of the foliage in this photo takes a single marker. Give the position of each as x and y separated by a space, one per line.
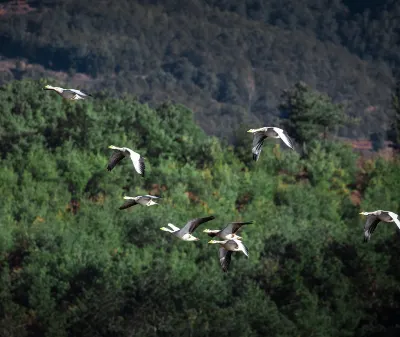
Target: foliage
226 60
308 113
72 264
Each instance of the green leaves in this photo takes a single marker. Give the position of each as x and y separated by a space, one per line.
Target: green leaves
72 263
309 114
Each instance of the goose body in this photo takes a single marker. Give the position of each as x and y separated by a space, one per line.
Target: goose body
185 233
373 218
122 152
229 232
70 94
227 247
259 135
145 200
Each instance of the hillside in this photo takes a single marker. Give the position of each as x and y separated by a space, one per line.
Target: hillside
225 64
73 264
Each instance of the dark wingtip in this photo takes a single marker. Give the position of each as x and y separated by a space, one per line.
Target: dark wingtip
212 234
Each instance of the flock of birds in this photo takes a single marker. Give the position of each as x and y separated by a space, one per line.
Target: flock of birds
230 242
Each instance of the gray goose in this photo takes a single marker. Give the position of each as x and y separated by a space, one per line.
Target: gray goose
259 135
185 233
121 153
226 250
70 94
373 218
229 232
145 200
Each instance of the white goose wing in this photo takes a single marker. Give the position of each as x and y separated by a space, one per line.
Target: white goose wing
138 162
242 247
285 137
80 93
395 218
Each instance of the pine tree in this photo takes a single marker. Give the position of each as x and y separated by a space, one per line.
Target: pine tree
309 114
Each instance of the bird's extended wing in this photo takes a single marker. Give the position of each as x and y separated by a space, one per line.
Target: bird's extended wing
67 94
138 162
370 226
224 258
115 158
128 204
285 137
80 93
191 226
242 247
151 196
395 218
233 227
258 141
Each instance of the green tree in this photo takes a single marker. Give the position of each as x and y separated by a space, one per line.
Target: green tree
309 114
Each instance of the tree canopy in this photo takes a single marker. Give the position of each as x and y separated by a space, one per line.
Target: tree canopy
72 264
228 61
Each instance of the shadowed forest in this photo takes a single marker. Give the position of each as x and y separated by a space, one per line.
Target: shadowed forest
180 82
72 264
228 61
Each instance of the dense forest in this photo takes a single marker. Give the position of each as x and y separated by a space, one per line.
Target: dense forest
228 61
72 264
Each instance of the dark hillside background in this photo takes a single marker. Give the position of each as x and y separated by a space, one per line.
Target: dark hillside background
227 60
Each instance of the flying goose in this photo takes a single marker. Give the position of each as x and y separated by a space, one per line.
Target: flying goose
145 200
121 153
185 233
71 94
373 218
259 135
229 232
226 250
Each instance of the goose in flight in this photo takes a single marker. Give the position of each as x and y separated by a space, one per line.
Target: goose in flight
71 94
226 250
259 135
373 218
185 233
229 232
145 200
121 153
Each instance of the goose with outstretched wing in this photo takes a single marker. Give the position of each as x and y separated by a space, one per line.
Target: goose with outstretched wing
227 247
259 135
145 200
185 233
122 152
229 232
373 218
69 94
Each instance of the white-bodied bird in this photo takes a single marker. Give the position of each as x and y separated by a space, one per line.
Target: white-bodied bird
145 200
373 218
259 135
121 153
226 250
185 233
70 94
229 232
